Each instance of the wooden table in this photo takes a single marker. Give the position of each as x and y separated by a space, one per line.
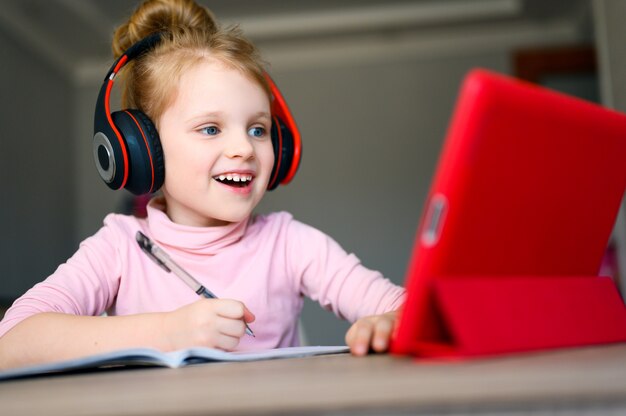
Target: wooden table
575 381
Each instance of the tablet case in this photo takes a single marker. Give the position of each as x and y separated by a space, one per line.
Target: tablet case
522 205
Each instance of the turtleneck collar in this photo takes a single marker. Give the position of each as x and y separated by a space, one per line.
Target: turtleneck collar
192 240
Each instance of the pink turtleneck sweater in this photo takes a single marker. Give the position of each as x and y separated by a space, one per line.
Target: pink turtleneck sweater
268 262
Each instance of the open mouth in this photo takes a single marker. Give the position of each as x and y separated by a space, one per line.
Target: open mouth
235 180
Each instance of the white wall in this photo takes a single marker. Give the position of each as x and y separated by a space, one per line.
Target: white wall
36 172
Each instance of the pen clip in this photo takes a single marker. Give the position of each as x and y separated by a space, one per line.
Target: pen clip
146 245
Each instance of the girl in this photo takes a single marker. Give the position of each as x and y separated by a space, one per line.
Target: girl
204 88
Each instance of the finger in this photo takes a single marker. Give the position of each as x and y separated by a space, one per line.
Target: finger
362 339
382 334
228 308
248 316
232 327
351 334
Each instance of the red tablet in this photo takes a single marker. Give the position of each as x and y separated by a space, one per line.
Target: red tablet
527 187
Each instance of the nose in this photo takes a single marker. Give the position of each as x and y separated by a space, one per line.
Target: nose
239 145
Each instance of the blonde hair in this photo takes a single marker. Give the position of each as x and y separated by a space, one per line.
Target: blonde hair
190 35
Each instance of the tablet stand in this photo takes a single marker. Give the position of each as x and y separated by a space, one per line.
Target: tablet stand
473 316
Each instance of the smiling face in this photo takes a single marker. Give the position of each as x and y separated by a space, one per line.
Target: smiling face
217 146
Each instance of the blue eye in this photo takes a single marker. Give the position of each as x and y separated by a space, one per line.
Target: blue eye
210 130
257 132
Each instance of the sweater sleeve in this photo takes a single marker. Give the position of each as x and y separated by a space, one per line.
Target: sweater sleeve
336 279
85 285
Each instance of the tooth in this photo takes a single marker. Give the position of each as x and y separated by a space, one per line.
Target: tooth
229 177
236 178
249 177
222 177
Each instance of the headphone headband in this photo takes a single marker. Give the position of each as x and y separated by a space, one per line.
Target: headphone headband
134 51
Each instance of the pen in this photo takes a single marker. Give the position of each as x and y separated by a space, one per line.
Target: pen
161 258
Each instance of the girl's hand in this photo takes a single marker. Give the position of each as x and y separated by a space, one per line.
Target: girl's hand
372 331
213 323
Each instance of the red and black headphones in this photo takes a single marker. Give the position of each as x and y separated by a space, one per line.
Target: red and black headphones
127 149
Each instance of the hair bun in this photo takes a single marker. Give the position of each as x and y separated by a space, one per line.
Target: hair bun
161 16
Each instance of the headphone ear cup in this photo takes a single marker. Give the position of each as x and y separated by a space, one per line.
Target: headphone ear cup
145 155
283 144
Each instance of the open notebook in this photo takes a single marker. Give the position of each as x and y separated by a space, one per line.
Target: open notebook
135 357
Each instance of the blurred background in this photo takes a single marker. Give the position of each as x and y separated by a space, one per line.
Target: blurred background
372 84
